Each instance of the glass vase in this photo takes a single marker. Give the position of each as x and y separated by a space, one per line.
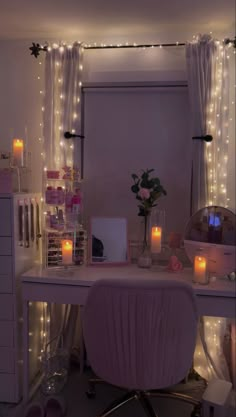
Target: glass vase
145 257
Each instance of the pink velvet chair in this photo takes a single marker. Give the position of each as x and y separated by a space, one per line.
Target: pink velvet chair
140 335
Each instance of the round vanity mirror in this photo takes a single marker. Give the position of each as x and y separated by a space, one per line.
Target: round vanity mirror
212 230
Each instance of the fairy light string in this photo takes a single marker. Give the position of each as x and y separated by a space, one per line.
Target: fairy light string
218 124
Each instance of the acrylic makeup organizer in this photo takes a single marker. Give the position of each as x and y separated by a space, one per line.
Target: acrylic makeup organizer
60 223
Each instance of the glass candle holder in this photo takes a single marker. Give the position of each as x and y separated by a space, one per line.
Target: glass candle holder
157 230
67 252
200 268
18 152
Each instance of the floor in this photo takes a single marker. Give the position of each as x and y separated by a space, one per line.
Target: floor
78 405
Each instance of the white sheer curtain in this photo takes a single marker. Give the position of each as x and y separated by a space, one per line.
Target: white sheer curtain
218 127
199 71
61 113
63 73
208 82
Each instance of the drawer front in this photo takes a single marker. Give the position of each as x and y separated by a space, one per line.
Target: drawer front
7 360
6 307
6 334
6 270
8 388
5 217
5 246
6 284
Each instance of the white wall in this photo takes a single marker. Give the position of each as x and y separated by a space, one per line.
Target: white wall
119 65
20 101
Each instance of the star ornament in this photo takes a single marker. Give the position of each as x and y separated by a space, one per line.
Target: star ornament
36 48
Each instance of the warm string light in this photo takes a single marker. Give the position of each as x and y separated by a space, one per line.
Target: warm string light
218 126
64 154
213 330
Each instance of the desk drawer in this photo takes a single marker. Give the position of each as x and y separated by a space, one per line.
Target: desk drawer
6 285
6 307
7 360
8 388
6 270
5 246
6 334
5 217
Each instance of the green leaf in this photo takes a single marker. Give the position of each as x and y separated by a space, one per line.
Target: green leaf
134 176
135 188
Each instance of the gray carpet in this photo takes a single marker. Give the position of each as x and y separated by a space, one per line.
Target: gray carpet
78 405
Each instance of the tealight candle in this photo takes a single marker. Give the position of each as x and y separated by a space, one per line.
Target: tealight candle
67 247
18 152
156 239
200 270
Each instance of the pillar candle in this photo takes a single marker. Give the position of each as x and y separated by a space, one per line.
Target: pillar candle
156 239
200 270
67 246
18 152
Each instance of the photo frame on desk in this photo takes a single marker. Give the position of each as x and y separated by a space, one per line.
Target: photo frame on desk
108 241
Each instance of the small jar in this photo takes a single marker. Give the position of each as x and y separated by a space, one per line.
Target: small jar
60 195
48 220
68 201
48 195
54 198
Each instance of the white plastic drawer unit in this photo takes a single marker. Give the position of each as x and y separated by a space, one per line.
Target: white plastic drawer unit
5 217
7 360
5 246
6 334
6 270
6 307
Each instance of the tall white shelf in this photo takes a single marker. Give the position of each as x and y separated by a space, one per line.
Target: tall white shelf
14 260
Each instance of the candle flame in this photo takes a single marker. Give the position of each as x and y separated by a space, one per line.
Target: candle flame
18 143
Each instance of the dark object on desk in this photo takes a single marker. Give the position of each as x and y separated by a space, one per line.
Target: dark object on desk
97 247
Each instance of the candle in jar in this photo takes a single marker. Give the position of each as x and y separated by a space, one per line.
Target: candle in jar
200 270
67 246
156 239
18 152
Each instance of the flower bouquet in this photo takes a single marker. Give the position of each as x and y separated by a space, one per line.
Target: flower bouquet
147 190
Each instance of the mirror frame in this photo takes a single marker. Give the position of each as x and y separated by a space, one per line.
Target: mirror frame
106 263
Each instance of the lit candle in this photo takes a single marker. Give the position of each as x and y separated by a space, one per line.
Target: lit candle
156 239
67 247
200 270
18 152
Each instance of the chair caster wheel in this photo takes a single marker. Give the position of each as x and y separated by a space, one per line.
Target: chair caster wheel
91 394
196 411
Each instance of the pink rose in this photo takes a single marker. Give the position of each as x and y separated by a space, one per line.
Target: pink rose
144 193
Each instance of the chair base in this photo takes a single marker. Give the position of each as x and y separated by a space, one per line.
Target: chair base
143 398
129 396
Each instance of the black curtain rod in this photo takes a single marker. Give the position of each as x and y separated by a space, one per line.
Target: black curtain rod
147 45
36 48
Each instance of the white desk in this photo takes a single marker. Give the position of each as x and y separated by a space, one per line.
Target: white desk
72 286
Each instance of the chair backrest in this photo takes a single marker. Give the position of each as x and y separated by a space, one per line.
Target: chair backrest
140 334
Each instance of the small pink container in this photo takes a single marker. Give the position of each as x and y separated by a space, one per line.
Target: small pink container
53 174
